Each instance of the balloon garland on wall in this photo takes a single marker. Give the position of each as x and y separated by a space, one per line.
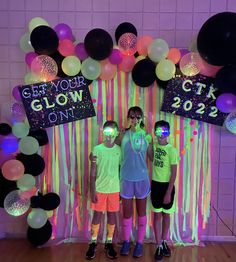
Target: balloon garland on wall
18 193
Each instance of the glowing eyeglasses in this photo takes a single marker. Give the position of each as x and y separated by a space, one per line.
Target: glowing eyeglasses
134 116
162 131
109 131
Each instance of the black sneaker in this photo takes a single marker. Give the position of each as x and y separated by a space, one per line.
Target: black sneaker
110 251
165 249
90 254
158 254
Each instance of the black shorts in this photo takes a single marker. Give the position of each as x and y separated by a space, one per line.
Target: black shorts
158 191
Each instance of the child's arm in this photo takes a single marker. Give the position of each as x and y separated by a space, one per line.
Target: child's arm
167 197
150 151
93 172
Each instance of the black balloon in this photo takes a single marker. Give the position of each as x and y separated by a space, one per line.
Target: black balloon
225 79
34 164
98 44
143 73
58 58
50 201
216 39
39 236
44 40
123 28
162 84
40 135
6 186
5 129
35 201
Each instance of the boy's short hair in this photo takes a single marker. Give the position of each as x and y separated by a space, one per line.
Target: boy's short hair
110 123
162 123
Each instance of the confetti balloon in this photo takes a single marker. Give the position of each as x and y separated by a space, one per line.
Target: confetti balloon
128 44
190 64
230 122
15 204
44 67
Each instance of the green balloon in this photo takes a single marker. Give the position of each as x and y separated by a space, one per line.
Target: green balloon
26 182
37 218
28 145
91 69
165 70
25 43
71 65
20 130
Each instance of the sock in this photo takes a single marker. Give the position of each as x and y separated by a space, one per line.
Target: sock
94 232
142 222
127 225
110 233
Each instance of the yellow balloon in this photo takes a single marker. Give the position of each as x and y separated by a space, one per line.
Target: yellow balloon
35 22
165 70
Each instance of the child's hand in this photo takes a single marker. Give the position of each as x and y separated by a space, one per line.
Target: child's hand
94 198
167 198
92 158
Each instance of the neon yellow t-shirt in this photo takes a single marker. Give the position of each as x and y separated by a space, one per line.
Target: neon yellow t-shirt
108 161
164 157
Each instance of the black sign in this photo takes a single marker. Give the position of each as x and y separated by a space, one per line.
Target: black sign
193 97
57 102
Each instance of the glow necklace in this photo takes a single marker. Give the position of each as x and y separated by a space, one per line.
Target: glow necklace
136 140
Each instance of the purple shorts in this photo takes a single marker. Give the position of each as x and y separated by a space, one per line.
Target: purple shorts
137 189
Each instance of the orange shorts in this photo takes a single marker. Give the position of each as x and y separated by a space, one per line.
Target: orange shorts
107 202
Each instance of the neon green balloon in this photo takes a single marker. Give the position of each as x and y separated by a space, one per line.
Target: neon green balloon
165 70
158 50
28 145
91 69
31 78
35 22
71 65
25 43
26 182
20 130
37 218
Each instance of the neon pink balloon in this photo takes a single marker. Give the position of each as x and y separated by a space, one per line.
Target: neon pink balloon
29 57
16 93
108 70
143 44
13 169
115 57
80 51
63 31
209 70
66 47
127 63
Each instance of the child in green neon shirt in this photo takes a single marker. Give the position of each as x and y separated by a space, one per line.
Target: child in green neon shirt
165 159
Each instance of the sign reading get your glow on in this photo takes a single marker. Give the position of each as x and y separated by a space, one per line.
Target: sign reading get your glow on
57 102
193 97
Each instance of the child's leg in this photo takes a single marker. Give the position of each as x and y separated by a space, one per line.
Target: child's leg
157 227
95 225
127 205
111 220
142 218
165 225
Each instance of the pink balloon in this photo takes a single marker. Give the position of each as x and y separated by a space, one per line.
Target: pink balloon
63 31
13 169
16 93
128 44
29 57
80 51
143 44
209 70
115 57
108 70
66 47
127 63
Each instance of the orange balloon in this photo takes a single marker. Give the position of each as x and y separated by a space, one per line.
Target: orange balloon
174 55
108 70
143 43
13 169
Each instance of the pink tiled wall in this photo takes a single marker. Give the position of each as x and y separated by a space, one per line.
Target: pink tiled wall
175 21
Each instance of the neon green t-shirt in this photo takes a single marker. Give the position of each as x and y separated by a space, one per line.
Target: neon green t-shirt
164 157
108 161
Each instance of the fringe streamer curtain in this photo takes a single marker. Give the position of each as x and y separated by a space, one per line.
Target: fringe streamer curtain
67 161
